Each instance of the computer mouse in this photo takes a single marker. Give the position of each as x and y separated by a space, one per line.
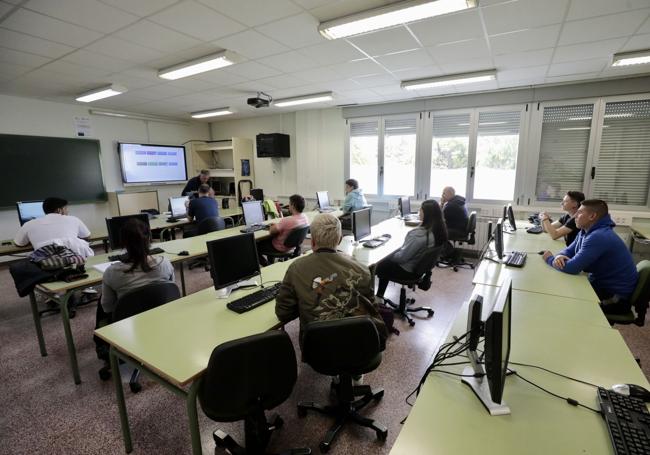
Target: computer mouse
632 390
541 252
183 253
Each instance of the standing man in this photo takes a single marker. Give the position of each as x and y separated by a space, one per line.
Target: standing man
55 227
600 252
194 183
455 212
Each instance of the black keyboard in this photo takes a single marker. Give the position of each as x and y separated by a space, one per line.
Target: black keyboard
628 422
537 229
254 228
516 259
123 256
257 298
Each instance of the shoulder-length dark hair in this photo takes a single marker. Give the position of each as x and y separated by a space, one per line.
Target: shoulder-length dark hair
433 221
136 239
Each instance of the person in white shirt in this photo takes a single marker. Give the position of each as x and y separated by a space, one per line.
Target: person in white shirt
55 227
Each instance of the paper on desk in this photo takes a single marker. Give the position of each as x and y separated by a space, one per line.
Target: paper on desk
103 266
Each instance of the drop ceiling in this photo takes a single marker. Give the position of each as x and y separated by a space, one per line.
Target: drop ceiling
57 49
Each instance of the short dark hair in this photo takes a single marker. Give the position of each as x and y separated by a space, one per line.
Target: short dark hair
298 202
353 183
52 204
204 188
205 172
577 196
598 206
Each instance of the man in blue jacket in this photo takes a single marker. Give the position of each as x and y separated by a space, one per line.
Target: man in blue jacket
600 252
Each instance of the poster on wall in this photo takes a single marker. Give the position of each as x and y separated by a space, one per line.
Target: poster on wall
245 167
82 126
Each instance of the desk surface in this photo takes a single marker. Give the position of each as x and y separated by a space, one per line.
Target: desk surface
641 227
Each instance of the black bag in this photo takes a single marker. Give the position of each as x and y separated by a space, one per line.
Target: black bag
425 282
388 316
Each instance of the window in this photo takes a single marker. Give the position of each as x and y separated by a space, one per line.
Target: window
364 147
399 156
449 152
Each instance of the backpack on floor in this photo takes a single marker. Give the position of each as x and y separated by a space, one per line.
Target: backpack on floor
388 316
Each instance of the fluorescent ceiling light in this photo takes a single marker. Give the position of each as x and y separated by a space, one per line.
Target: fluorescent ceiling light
631 58
136 116
390 16
452 79
212 112
196 66
305 99
102 92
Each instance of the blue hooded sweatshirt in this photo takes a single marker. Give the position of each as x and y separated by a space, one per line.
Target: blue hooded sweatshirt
601 253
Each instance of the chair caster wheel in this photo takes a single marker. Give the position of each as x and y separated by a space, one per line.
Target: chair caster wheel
135 387
301 412
105 373
324 447
411 322
455 269
382 435
379 395
430 313
278 422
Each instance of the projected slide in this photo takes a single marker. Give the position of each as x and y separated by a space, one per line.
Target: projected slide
145 163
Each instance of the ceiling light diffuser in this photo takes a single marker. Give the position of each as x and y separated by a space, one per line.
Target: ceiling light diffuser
452 79
305 99
196 66
102 92
391 16
631 58
212 112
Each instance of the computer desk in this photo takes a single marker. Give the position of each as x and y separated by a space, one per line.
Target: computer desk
641 228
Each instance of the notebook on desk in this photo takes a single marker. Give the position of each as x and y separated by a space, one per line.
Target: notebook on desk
103 266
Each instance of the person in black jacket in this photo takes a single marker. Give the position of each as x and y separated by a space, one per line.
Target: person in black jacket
194 183
454 211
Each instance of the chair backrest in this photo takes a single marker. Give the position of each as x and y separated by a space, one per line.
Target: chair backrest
144 299
641 296
296 237
247 375
340 346
210 224
428 260
257 193
471 228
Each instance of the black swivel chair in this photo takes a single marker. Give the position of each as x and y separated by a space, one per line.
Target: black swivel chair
258 194
244 378
294 241
136 302
640 299
207 225
424 266
345 347
455 259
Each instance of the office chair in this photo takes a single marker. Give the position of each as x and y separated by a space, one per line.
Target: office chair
244 378
424 266
257 193
211 224
346 220
135 302
640 299
456 260
345 347
294 241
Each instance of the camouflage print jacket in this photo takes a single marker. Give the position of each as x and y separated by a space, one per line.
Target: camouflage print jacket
327 285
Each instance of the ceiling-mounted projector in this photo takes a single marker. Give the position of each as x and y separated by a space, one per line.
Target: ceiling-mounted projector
261 100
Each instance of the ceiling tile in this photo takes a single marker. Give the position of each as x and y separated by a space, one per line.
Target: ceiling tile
118 102
419 73
461 51
283 81
85 58
582 9
132 82
571 78
119 48
464 66
50 28
386 41
376 80
522 74
405 60
645 28
391 89
317 75
600 28
355 69
603 49
157 37
4 8
451 27
140 7
523 59
582 66
192 84
252 70
309 4
31 44
295 31
525 40
251 44
197 20
162 91
11 70
330 52
338 8
521 14
289 62
254 12
86 13
21 58
637 43
480 87
221 77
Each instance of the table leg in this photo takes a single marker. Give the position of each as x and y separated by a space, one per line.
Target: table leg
37 324
182 270
105 243
193 418
69 340
121 404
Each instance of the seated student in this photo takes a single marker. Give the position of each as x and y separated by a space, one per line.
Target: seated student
454 211
401 264
200 208
600 252
55 227
354 198
280 231
326 284
566 225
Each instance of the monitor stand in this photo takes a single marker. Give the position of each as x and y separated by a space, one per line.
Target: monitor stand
224 293
480 387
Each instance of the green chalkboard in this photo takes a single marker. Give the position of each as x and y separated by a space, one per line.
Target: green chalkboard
36 167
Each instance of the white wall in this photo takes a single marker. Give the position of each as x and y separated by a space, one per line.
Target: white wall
43 118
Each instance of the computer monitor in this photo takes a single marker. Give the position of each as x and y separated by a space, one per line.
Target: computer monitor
232 259
323 199
511 218
405 206
29 210
498 238
361 223
177 206
114 227
253 212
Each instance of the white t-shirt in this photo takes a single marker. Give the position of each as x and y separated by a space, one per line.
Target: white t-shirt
54 228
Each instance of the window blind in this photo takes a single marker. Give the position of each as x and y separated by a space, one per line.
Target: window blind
499 123
456 125
359 129
400 127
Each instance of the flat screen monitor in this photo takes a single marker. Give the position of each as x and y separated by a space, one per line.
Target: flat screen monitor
29 210
177 206
361 223
405 205
474 322
323 199
511 217
253 212
233 259
114 227
150 163
505 212
498 238
497 341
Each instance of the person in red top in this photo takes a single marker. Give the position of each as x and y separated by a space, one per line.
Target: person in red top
280 231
